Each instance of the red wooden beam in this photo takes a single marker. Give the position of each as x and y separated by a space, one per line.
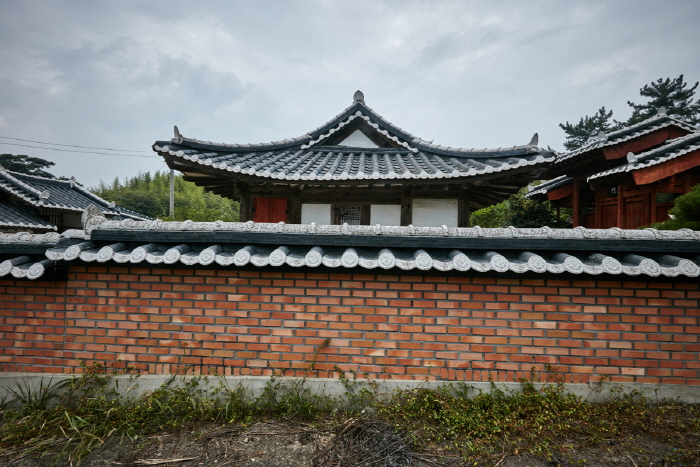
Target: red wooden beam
643 143
666 169
561 192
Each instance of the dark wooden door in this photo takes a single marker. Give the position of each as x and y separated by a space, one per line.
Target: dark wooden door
271 210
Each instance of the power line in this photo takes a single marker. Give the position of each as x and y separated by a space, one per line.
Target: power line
75 150
70 145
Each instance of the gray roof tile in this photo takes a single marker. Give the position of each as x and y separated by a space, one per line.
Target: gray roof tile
671 150
16 216
310 157
647 126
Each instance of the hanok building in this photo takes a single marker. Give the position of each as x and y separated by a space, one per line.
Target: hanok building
627 178
36 204
358 169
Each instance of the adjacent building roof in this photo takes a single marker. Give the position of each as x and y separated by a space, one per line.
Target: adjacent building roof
65 195
545 187
30 194
614 251
586 155
15 217
673 149
650 125
358 146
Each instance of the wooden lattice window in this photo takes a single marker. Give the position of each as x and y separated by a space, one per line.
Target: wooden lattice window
351 214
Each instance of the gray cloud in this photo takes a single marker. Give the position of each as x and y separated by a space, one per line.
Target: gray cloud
471 74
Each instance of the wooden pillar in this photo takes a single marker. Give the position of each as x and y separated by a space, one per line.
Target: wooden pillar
244 202
464 210
620 207
294 210
577 203
598 196
406 198
652 207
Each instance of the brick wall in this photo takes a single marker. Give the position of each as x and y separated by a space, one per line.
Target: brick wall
469 327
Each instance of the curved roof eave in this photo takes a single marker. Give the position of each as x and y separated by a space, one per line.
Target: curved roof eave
379 123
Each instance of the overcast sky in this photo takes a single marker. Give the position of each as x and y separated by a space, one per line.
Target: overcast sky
120 74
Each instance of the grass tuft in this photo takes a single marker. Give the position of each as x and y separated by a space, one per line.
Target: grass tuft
544 419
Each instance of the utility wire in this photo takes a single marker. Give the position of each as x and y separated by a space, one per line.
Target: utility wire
75 150
69 145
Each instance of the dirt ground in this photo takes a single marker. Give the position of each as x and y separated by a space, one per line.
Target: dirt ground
359 442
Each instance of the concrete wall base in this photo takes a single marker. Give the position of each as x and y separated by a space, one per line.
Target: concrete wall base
254 385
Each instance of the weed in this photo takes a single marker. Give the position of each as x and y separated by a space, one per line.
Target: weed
539 417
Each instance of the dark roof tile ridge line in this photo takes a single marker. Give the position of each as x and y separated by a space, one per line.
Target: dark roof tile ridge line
350 113
20 217
28 237
547 185
129 212
179 139
654 156
429 146
89 194
20 185
368 118
182 140
70 184
615 137
379 230
27 225
669 146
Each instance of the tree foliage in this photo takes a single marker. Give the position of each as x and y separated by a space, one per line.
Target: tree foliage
685 212
27 165
674 94
577 134
518 211
150 195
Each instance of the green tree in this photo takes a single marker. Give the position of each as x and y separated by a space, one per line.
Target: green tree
517 211
26 165
674 94
577 134
490 217
150 195
685 212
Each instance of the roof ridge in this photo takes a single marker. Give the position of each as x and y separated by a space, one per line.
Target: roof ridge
101 223
669 145
19 184
608 139
357 109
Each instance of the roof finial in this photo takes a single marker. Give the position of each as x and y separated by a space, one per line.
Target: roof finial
661 111
535 140
359 97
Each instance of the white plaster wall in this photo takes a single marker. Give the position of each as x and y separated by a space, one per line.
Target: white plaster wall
385 214
318 213
434 212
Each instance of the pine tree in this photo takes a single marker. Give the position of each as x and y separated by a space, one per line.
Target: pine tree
673 94
577 134
27 165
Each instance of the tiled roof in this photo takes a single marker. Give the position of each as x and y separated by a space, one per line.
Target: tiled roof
403 248
236 256
351 164
313 157
647 252
671 150
657 122
51 194
545 187
14 216
24 262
